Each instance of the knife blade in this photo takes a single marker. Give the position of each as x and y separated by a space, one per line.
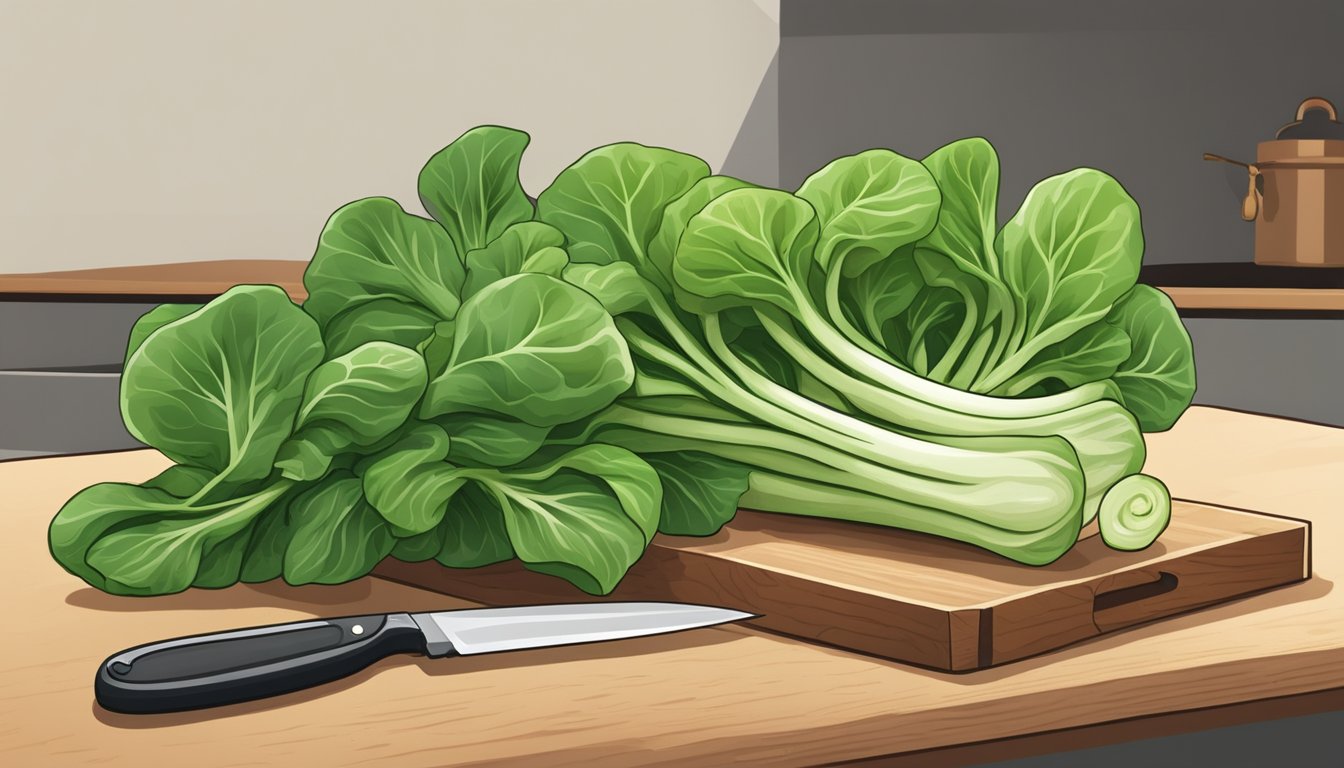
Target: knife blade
241 665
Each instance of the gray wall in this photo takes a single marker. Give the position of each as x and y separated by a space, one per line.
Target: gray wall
154 131
1140 89
1281 366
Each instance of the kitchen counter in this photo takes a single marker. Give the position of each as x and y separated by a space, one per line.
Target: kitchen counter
1239 287
1186 298
202 280
161 282
714 696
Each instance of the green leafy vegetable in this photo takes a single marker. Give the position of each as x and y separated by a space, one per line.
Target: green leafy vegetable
471 187
372 250
356 399
746 248
649 349
585 516
497 441
533 347
410 486
336 535
527 247
474 535
868 205
676 215
135 540
1157 379
390 320
610 202
219 388
1071 251
700 491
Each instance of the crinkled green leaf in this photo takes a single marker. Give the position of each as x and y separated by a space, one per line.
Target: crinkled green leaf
1157 380
369 390
967 172
496 441
437 348
867 206
353 400
1071 251
271 534
700 491
336 535
747 247
534 348
531 246
420 547
133 540
221 564
411 483
1092 354
372 250
618 286
473 531
676 216
610 202
180 480
471 186
220 387
585 516
308 456
390 320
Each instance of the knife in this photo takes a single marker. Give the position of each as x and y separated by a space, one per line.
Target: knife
241 665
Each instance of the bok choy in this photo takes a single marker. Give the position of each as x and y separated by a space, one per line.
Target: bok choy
649 348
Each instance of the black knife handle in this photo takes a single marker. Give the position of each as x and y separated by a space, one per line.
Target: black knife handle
227 667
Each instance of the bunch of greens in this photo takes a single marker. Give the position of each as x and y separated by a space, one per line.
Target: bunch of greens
869 348
404 410
648 349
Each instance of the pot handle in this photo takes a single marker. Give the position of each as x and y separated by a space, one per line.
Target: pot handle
1250 205
1315 102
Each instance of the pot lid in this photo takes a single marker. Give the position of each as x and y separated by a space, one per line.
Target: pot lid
1316 119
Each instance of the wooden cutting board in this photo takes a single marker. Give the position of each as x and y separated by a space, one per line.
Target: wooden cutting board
924 600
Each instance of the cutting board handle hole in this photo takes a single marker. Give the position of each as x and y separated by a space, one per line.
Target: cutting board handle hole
1164 583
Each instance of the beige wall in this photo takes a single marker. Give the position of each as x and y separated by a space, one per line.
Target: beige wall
149 131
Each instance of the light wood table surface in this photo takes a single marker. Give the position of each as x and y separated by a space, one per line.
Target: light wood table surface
716 696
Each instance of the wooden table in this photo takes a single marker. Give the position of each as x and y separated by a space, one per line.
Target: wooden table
708 697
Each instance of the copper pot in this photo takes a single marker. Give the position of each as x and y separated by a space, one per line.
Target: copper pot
1295 191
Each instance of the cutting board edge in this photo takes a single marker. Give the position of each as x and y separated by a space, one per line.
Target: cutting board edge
1188 593
970 634
692 547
